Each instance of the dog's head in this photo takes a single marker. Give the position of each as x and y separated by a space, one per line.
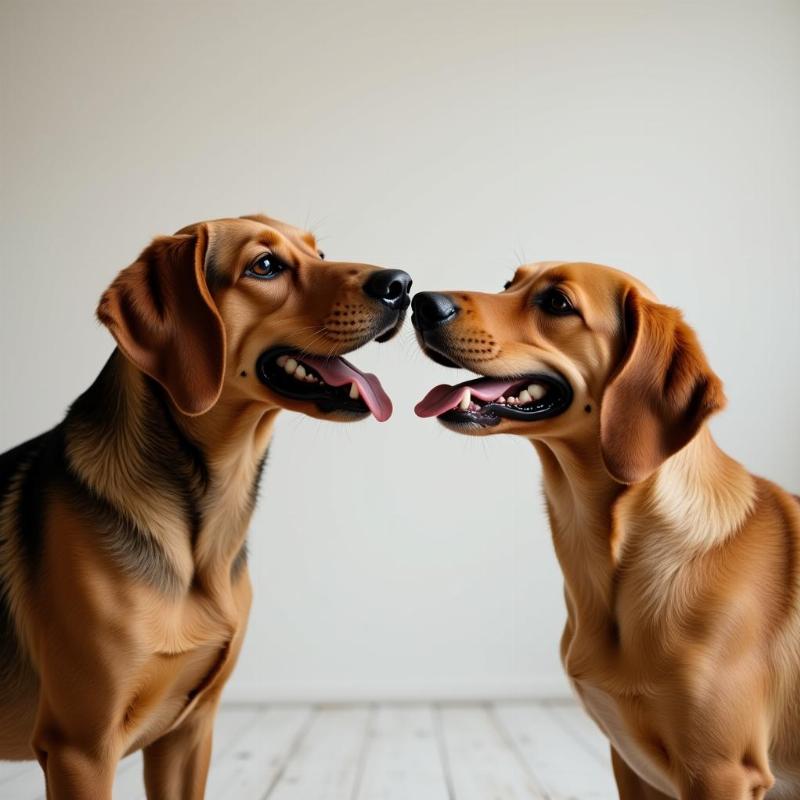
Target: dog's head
249 307
570 350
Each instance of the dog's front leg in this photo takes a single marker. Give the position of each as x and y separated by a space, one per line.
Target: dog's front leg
176 765
74 768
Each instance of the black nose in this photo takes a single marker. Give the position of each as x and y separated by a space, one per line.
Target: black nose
390 286
431 309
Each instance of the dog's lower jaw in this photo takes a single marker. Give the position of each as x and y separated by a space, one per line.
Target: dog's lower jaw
329 383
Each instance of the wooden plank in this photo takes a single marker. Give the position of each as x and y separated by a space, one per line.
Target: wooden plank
253 763
511 751
402 760
560 761
23 780
481 763
231 724
326 763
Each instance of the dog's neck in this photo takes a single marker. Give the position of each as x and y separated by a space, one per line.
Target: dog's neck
189 482
234 435
693 502
580 497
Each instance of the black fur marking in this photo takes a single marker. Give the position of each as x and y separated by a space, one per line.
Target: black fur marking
43 468
102 405
587 408
15 669
134 550
175 465
191 451
195 477
13 459
24 465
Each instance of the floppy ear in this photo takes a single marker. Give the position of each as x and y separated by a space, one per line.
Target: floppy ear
165 321
660 394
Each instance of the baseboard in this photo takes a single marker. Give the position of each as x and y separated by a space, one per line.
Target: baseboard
538 688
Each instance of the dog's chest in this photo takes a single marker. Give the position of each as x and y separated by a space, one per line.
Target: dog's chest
609 713
614 700
173 686
189 659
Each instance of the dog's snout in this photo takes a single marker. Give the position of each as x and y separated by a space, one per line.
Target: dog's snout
432 309
390 286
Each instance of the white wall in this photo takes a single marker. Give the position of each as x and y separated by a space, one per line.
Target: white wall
452 140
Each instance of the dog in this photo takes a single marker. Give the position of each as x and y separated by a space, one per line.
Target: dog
681 569
124 591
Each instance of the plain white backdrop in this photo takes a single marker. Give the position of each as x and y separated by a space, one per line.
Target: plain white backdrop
454 140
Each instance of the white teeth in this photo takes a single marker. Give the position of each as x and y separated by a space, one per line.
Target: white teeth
537 391
294 368
532 394
354 394
465 400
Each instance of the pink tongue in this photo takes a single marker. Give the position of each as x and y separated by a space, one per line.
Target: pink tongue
338 372
445 398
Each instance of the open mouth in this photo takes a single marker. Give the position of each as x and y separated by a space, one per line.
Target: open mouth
485 401
332 384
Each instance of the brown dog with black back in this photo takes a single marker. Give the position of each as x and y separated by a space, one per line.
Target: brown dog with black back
124 591
682 570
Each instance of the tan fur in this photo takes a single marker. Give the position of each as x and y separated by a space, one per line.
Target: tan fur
128 611
682 570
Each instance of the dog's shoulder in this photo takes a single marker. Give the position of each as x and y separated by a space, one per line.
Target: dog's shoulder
14 460
26 472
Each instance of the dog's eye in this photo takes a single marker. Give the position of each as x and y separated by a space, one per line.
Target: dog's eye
555 302
265 266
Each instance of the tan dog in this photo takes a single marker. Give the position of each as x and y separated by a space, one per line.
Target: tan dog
682 570
124 591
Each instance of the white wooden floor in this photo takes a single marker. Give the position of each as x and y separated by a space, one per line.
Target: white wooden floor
497 751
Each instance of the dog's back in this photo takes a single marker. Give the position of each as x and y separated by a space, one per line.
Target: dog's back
23 478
